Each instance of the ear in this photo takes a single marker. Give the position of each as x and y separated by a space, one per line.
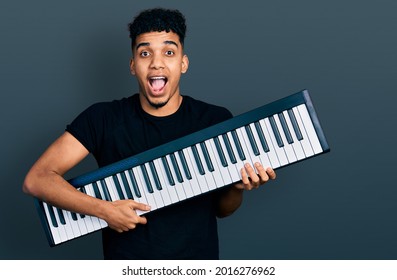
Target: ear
185 64
132 66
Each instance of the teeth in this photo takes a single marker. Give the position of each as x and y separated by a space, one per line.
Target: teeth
157 78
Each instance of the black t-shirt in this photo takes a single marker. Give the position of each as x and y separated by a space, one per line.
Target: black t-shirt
115 130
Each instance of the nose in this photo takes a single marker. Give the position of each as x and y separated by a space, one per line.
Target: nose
157 62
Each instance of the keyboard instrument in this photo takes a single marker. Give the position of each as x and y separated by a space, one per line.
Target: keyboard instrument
278 134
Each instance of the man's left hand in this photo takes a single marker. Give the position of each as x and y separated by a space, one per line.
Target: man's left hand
253 177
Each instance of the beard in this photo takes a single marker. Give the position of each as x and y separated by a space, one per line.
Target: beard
158 104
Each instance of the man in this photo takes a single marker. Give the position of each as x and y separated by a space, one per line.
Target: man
115 130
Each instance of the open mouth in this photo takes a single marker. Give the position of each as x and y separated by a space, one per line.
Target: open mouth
157 83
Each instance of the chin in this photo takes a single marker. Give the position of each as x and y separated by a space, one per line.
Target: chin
158 105
158 102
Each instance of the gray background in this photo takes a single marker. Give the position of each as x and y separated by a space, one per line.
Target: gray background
58 57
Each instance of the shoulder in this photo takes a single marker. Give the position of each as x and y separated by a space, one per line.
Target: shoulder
109 110
207 111
98 121
101 116
113 106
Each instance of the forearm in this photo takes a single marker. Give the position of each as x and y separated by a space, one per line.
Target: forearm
55 190
230 201
45 181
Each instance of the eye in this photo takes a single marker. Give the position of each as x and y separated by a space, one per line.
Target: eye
169 53
144 54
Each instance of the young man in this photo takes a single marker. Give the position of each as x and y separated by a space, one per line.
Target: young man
112 131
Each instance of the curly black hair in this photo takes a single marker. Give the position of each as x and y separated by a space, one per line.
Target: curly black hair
158 19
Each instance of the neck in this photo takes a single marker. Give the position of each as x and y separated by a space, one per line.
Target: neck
161 111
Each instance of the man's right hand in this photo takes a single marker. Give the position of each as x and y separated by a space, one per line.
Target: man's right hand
122 216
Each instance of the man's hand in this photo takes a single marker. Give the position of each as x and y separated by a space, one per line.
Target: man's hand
122 215
252 178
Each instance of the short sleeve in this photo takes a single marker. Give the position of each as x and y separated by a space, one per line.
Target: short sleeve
87 127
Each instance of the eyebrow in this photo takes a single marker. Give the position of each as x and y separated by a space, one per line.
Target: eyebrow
145 44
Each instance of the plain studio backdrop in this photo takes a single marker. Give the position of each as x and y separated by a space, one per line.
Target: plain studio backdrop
59 57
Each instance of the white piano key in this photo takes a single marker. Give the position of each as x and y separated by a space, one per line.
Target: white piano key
156 193
208 174
70 226
87 219
61 229
289 151
116 187
217 175
126 188
282 157
173 195
245 143
305 142
244 146
232 168
165 193
54 230
186 183
311 132
297 146
240 163
272 154
74 224
200 179
143 188
103 190
100 190
222 171
111 188
122 185
96 223
264 158
179 188
137 198
195 181
81 224
141 199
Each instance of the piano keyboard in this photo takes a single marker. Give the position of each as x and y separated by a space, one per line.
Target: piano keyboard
277 134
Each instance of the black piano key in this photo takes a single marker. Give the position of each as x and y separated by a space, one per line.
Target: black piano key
276 133
105 190
262 137
198 160
118 186
229 149
185 165
82 189
134 183
284 125
207 157
238 145
74 216
126 186
61 216
219 149
155 176
252 140
168 171
96 190
295 125
146 178
176 168
52 215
